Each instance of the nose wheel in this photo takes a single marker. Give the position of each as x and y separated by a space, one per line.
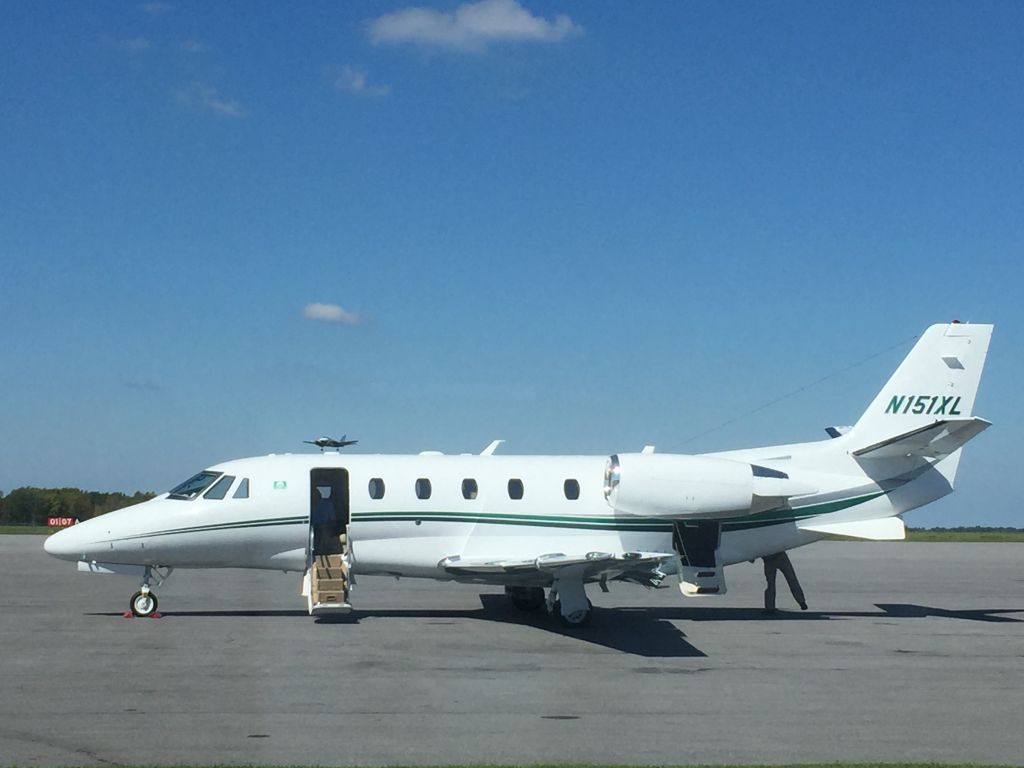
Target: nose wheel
143 603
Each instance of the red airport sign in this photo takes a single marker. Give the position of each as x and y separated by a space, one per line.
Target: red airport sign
60 522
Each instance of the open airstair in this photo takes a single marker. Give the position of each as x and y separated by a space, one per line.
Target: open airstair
699 563
328 582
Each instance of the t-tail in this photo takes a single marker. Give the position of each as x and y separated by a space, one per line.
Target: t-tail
926 409
908 440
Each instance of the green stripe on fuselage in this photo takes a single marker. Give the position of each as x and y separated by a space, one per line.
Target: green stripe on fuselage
777 516
573 522
610 523
541 521
268 522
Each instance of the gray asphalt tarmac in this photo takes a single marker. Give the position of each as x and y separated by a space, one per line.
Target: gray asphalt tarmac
908 651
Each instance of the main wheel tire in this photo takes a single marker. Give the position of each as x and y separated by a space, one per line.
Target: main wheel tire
143 604
576 619
526 598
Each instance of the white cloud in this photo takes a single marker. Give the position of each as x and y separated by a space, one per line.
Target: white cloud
207 97
330 313
471 26
357 81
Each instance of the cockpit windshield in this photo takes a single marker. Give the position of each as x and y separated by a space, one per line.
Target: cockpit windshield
194 486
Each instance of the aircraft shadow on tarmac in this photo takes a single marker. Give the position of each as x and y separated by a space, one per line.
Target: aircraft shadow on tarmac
648 632
885 611
240 614
637 631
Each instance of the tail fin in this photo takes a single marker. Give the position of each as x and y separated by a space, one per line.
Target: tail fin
937 381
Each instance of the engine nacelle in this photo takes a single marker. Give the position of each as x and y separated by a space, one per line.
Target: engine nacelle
678 486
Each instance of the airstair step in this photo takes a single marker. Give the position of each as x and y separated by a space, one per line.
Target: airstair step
329 573
326 607
329 561
330 585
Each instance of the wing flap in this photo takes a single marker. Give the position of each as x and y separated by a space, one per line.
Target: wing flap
932 441
592 562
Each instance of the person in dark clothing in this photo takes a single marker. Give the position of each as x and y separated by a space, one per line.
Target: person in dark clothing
772 565
325 524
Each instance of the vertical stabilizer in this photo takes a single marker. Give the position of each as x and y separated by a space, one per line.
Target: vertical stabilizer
937 380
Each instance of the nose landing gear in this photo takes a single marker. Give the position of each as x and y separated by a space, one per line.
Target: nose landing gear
144 603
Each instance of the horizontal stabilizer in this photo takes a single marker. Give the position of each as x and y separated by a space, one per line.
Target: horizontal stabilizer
881 529
932 441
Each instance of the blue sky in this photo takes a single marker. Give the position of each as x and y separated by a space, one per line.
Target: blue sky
580 227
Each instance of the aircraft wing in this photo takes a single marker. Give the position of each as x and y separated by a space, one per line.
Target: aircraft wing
592 564
932 441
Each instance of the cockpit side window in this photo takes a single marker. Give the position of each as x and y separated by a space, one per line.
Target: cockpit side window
220 488
242 491
193 486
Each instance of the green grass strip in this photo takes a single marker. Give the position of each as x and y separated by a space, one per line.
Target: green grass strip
31 530
575 765
949 536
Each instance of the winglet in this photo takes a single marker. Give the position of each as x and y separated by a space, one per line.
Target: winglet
490 449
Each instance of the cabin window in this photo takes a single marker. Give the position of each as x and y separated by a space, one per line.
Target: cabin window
515 488
572 489
220 488
469 488
376 488
242 491
193 486
423 488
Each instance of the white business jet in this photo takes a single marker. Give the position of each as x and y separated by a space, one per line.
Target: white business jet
556 523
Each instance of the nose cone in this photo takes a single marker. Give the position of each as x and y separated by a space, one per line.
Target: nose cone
64 544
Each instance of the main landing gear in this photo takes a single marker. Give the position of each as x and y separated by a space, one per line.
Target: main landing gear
567 600
526 598
573 619
144 603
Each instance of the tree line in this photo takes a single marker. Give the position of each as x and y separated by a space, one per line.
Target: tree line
33 506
